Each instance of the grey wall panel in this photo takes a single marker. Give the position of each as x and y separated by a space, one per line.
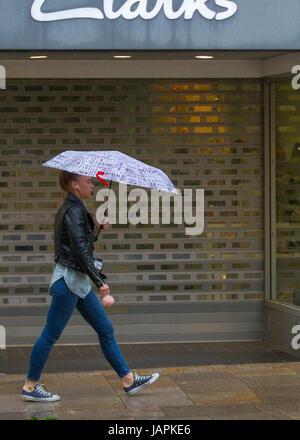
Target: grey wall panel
159 318
279 321
147 326
145 337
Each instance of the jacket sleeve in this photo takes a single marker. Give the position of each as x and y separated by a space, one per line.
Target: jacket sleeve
75 221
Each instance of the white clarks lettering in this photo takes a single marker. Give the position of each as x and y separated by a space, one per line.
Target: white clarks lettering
138 8
231 9
38 15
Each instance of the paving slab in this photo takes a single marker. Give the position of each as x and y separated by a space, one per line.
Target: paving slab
240 411
14 402
185 412
77 414
277 391
209 387
185 418
273 402
13 415
294 366
224 397
276 415
270 380
290 412
259 370
81 403
79 380
150 397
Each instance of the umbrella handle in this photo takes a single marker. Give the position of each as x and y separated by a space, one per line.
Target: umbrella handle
106 210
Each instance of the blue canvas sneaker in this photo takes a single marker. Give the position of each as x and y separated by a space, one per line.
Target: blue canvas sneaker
140 382
39 395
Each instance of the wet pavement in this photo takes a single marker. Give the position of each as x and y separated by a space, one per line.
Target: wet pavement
267 389
218 392
72 358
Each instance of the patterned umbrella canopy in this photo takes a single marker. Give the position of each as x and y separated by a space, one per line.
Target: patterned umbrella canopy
116 166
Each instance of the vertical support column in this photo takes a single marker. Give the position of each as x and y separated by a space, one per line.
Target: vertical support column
272 192
267 210
270 188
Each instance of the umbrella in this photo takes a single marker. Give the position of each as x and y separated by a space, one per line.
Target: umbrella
116 166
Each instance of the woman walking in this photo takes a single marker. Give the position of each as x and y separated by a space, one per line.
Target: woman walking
69 286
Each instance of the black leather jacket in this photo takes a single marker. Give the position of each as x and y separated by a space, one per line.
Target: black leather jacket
74 238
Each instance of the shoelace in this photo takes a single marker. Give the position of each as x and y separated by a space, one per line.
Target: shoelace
42 391
139 379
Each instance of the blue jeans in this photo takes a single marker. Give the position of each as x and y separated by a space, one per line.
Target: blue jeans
62 306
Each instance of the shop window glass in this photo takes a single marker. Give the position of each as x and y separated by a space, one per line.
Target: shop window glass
287 193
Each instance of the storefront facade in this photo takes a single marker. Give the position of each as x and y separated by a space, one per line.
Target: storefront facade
222 125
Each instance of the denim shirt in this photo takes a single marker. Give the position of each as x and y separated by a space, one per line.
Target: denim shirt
76 281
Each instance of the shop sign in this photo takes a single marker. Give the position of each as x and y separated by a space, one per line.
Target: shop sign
149 25
139 8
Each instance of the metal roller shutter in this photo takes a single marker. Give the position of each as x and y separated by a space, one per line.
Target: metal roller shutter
168 286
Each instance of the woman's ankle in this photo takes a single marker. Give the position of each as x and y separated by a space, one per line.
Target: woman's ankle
29 385
127 380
